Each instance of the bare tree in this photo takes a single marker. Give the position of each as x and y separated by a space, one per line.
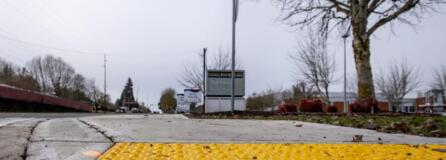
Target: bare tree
92 92
362 17
397 83
303 90
13 75
439 79
36 67
192 76
221 61
315 65
53 73
3 63
352 84
78 83
267 99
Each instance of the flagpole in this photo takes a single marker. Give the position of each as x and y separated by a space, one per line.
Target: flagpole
234 19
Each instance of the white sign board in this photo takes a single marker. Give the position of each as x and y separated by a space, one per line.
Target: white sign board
223 104
219 83
192 96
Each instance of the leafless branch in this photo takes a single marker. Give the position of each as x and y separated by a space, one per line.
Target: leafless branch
439 79
192 75
398 82
314 64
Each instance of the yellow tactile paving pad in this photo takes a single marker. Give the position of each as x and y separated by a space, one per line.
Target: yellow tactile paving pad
164 151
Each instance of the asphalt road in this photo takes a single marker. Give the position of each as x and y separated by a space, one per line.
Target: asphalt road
86 135
54 114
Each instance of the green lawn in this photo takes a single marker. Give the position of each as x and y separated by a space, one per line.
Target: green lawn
423 125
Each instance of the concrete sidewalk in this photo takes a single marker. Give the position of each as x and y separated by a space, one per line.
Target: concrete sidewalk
65 138
175 128
88 137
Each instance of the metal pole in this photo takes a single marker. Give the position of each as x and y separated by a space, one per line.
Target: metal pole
345 72
204 79
105 82
137 93
234 14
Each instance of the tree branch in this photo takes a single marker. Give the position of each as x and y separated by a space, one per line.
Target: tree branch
342 7
406 7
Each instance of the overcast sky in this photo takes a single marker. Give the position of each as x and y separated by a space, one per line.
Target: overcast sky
150 40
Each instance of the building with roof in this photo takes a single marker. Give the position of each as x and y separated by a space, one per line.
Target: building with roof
433 101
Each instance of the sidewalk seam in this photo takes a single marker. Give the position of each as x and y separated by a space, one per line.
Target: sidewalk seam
28 139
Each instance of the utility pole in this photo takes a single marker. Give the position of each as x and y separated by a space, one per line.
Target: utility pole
105 83
234 20
137 93
204 78
345 36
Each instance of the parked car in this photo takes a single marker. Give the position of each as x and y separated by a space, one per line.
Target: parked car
135 110
121 110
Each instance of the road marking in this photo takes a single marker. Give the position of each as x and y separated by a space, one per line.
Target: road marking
130 151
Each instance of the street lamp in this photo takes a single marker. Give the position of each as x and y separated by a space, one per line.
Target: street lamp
345 36
234 19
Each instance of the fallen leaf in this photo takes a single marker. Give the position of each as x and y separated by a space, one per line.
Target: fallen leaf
357 138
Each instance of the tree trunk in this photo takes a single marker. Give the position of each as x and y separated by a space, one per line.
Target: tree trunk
327 96
361 50
363 69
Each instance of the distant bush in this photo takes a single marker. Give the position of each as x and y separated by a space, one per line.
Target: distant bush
364 106
287 107
198 109
311 105
332 109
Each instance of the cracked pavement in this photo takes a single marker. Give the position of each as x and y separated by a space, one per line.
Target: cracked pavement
49 139
67 136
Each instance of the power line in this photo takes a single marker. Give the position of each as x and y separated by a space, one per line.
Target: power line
52 15
14 56
11 37
31 19
45 46
74 51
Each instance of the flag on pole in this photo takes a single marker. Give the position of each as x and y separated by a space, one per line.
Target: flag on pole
235 10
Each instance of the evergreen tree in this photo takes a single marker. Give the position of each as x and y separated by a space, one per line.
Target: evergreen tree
127 96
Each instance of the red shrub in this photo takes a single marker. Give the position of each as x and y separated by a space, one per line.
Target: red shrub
308 105
364 106
287 107
332 109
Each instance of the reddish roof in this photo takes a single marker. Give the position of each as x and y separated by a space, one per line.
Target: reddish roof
8 92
